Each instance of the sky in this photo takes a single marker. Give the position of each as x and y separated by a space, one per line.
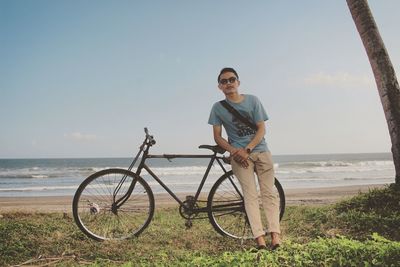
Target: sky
83 78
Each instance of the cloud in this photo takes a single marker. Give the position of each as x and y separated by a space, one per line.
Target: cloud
77 136
340 79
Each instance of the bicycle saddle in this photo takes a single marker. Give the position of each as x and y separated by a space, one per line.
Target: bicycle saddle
216 148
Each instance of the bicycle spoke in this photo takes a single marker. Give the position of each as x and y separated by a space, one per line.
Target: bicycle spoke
94 209
226 207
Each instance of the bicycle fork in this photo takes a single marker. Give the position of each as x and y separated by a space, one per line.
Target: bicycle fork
119 202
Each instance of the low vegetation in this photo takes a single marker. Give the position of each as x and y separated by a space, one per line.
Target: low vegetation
362 231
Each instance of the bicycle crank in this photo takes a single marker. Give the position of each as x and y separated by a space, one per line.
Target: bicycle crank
188 209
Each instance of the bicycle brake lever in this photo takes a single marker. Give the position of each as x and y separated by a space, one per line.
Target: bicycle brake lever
167 157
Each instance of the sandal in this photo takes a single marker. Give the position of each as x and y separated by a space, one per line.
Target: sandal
275 247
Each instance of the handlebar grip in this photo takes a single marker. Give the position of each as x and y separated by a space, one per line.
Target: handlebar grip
146 131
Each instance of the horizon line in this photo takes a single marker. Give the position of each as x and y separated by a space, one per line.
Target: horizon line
124 157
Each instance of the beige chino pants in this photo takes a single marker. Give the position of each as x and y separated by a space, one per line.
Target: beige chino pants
261 163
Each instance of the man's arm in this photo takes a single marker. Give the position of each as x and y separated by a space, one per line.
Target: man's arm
258 136
241 155
236 153
222 142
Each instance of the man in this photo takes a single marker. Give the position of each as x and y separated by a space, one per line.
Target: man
250 154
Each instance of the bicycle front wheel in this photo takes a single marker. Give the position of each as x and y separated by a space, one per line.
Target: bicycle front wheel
226 210
95 211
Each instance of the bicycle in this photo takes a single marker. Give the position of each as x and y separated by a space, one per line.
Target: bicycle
114 204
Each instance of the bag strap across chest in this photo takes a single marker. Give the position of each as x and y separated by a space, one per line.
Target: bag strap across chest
237 115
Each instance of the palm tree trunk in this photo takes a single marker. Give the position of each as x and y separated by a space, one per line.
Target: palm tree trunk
384 73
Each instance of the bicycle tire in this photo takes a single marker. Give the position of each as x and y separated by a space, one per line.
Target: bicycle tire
226 210
93 200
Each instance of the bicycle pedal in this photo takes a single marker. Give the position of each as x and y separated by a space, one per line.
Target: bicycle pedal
188 224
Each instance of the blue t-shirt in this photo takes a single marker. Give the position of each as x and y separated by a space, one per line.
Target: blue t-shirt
239 134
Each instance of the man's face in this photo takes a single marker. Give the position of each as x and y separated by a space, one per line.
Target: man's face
228 83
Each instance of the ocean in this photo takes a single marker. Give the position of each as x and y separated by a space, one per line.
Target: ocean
59 177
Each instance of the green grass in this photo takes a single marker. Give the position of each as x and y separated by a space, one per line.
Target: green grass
362 231
378 211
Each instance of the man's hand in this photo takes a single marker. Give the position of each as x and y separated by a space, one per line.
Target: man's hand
241 156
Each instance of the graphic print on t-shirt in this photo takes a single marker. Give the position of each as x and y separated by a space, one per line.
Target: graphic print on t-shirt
242 129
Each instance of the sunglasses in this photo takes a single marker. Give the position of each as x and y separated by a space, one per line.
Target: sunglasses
229 80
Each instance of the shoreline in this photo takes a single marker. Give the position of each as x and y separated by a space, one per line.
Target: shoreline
294 197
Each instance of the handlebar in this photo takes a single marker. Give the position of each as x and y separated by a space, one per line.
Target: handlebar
149 137
149 141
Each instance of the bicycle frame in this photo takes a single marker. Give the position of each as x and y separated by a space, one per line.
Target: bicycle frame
213 158
224 205
148 142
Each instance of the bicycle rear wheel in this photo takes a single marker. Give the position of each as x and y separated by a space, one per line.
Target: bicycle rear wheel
226 210
94 211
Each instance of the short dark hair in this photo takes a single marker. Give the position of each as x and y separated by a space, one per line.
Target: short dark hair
227 70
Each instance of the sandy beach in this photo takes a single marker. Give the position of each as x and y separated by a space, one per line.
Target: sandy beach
303 196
